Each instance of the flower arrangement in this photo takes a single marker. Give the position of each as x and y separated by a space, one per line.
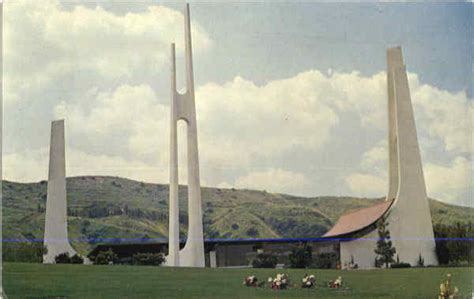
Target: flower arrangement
447 291
335 284
308 281
250 281
280 282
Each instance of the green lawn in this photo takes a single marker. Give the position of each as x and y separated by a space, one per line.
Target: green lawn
80 281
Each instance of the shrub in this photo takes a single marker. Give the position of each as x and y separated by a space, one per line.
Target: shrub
77 259
400 265
151 259
116 184
264 260
105 258
301 257
62 258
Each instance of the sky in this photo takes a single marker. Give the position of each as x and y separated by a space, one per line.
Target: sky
291 98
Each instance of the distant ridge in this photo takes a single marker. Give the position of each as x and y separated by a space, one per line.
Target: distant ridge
114 207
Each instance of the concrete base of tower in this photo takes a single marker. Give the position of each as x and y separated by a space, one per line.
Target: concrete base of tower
192 256
57 249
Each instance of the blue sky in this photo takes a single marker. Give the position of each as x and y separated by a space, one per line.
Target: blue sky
263 42
291 97
266 41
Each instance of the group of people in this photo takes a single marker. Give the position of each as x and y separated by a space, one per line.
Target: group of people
281 282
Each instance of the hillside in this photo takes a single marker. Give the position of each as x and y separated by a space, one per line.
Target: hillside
112 207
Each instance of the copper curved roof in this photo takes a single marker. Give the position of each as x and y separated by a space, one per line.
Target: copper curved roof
357 220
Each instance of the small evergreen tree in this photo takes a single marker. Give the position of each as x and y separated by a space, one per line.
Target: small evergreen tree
421 261
384 249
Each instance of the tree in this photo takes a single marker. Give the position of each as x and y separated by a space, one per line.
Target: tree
421 261
451 245
384 249
301 257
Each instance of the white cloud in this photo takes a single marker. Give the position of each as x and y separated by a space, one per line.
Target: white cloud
451 182
446 116
26 166
128 118
95 67
81 163
128 123
246 129
274 180
45 42
31 166
297 112
375 159
366 185
370 179
442 118
363 96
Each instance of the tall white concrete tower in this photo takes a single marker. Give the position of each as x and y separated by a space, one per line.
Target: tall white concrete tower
406 207
55 231
183 108
409 219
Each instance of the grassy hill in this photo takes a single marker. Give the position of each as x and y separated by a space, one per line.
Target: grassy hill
112 207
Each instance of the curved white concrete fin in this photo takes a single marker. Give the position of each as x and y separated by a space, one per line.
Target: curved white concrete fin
394 59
